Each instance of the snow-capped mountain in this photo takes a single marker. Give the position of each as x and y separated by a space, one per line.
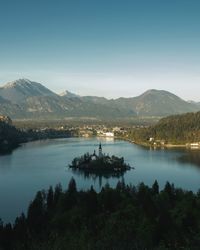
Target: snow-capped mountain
27 99
19 90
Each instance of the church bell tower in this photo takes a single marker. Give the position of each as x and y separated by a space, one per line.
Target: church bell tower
100 150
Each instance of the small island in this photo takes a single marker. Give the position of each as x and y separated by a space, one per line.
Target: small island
93 163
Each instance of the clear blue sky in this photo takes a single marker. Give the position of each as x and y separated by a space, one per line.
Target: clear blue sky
108 48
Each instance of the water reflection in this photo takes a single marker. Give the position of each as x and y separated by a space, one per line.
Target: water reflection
97 175
6 163
190 157
37 165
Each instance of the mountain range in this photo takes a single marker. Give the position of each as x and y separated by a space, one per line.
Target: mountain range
25 99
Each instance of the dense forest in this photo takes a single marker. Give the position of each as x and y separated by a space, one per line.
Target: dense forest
88 162
11 137
176 129
123 218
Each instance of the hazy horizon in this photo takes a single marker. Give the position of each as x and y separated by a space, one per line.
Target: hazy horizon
59 93
106 48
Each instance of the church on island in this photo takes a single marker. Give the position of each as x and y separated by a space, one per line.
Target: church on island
99 162
94 156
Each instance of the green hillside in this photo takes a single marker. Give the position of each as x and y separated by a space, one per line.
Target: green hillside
179 128
176 129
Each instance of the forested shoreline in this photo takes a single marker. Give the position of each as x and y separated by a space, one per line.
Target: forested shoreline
171 130
11 137
126 217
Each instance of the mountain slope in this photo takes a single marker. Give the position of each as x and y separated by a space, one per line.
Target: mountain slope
61 107
95 99
68 94
195 103
19 90
3 101
156 103
10 109
26 99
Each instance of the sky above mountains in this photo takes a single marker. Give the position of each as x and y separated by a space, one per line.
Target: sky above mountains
106 48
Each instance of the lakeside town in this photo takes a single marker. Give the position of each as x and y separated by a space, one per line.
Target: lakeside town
59 129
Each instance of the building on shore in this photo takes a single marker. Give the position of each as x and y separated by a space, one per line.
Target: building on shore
105 134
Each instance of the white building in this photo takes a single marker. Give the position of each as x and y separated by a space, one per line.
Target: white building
109 134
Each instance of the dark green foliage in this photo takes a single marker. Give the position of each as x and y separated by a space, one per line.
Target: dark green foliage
100 165
50 198
72 186
57 193
155 188
125 218
10 137
177 129
37 213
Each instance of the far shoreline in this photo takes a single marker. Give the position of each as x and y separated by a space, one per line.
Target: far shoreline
165 146
142 144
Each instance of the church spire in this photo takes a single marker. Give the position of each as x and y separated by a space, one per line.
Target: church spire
100 150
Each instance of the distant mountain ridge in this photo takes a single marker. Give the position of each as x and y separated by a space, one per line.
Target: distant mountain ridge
157 103
25 99
67 94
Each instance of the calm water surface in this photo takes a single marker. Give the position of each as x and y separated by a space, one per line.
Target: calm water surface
37 165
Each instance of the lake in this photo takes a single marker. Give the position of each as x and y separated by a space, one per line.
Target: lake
37 165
